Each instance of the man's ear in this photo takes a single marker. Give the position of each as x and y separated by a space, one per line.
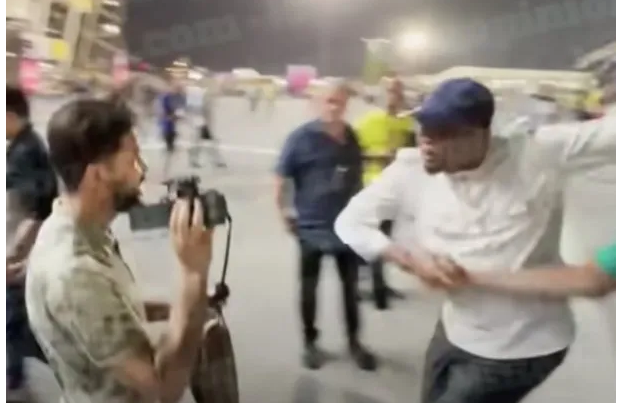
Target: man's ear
90 176
94 174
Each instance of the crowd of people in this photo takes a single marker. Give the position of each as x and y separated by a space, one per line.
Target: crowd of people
480 206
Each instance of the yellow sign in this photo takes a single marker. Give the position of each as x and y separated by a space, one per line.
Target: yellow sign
59 50
85 6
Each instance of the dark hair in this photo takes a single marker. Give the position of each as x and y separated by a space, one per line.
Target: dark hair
83 132
484 114
17 102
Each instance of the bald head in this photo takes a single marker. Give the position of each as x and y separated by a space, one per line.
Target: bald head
332 100
335 86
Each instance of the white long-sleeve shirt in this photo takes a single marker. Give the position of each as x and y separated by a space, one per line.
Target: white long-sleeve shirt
496 217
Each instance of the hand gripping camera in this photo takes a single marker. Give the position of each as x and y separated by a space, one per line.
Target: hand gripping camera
213 203
156 216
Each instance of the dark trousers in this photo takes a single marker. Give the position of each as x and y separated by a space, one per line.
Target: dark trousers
453 375
170 135
380 287
19 338
310 268
206 138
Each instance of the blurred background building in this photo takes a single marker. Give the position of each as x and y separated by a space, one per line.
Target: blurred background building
59 40
100 41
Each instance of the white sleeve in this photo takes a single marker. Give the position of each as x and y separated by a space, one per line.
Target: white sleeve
358 225
579 145
524 125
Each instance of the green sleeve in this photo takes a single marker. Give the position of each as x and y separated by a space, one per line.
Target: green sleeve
605 259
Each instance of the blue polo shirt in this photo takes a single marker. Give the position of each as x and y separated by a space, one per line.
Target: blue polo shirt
326 174
170 102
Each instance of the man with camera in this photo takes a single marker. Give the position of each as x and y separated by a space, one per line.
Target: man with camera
82 298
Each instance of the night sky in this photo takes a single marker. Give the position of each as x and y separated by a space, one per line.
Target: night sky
269 34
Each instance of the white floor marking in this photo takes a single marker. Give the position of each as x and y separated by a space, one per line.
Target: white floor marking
185 144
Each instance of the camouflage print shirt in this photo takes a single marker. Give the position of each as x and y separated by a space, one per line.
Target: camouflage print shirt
84 309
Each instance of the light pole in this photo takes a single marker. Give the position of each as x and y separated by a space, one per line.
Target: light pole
383 54
378 58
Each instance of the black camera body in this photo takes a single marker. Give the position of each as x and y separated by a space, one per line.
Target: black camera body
156 216
212 202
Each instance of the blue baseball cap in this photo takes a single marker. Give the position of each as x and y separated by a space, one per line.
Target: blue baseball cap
457 102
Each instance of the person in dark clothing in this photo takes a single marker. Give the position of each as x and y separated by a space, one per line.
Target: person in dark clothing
323 159
172 104
30 190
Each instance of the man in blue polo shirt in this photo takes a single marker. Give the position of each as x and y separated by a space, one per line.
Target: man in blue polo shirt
323 159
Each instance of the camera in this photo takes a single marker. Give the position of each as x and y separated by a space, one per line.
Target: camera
156 216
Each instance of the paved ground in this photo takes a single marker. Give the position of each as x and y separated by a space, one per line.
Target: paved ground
262 313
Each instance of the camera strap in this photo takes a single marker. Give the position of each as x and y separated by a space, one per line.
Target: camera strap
222 291
214 378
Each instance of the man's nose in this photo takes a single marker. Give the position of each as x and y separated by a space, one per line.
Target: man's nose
141 167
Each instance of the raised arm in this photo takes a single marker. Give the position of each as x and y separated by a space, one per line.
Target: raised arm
579 146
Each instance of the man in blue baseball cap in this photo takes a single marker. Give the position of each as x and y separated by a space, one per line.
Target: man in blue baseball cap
479 203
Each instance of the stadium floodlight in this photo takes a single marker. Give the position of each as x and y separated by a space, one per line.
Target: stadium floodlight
411 41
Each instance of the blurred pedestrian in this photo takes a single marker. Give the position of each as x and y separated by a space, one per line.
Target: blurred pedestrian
172 111
204 101
30 190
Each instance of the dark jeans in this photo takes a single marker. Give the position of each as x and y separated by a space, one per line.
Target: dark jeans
20 341
170 135
453 375
380 287
310 268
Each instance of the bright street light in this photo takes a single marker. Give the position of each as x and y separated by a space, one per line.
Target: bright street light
413 41
111 29
195 75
